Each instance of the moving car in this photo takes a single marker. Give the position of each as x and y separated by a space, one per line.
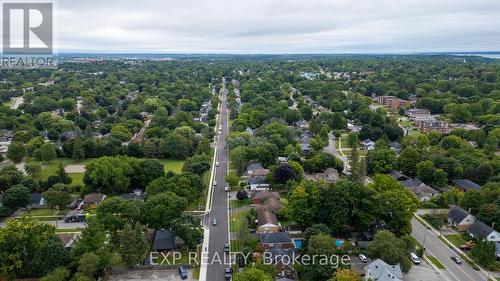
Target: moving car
214 222
226 248
227 273
215 183
216 164
456 259
183 272
75 218
363 258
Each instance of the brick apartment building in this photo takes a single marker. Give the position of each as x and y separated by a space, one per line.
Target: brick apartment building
392 102
433 125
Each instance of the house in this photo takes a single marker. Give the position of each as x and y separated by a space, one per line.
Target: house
466 185
272 204
480 230
283 262
395 146
473 144
305 148
368 144
252 167
423 192
330 175
264 195
433 125
266 221
37 200
278 239
460 219
379 270
398 175
93 199
302 124
164 241
258 183
497 250
249 131
260 173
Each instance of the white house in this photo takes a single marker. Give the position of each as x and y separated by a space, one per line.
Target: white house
258 183
379 270
480 230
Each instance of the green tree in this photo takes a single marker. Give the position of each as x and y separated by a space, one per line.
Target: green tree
346 274
391 249
32 169
58 274
89 264
232 179
78 149
50 255
16 152
484 253
133 244
121 133
115 212
47 152
59 195
163 209
18 196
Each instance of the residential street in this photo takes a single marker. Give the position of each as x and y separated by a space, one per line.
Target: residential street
439 250
219 211
332 149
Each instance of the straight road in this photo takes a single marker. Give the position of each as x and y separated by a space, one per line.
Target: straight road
219 234
439 250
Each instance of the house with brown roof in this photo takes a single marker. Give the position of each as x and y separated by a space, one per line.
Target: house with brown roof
266 221
264 195
276 239
330 175
93 199
273 204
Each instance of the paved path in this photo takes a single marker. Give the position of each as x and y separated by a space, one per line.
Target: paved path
332 149
17 102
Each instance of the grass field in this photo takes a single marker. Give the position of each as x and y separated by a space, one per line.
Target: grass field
172 165
456 239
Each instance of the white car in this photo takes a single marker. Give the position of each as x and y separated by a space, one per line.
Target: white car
226 188
216 164
215 183
363 258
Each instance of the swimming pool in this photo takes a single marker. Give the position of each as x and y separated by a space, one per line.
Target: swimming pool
298 243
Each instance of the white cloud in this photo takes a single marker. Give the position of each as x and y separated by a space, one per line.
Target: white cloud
278 26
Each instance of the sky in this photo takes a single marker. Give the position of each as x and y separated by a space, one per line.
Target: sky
277 26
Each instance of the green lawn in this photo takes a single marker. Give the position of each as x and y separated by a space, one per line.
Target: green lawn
437 263
172 165
456 239
41 212
240 203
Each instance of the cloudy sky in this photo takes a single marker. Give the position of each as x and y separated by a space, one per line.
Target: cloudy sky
278 26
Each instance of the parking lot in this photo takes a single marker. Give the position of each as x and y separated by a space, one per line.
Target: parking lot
423 272
150 275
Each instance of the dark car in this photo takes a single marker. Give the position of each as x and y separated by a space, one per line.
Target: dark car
75 218
183 272
227 273
226 248
456 259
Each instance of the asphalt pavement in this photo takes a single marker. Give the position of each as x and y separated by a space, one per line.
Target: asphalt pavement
438 249
219 211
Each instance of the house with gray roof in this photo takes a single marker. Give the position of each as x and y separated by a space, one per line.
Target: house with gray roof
278 239
164 241
460 219
258 183
379 270
466 185
480 230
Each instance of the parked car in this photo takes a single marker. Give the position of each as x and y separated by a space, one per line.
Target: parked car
456 259
226 188
216 164
467 246
226 248
183 272
414 258
214 222
215 183
363 258
227 273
